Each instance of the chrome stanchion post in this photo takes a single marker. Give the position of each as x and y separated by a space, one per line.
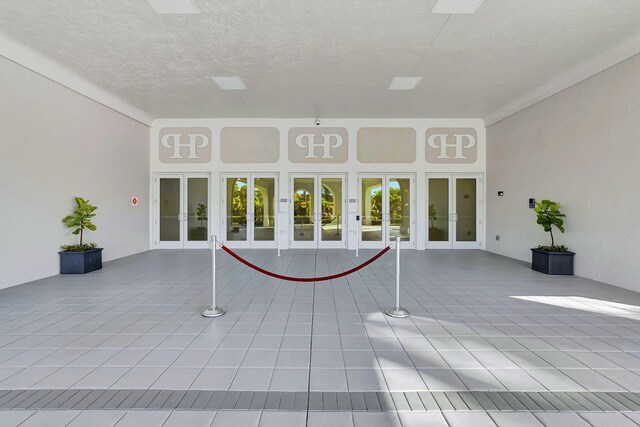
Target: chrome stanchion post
213 310
397 310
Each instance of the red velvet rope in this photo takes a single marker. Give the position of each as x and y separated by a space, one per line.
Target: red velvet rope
305 279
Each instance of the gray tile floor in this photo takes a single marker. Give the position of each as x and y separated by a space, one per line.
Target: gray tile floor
478 323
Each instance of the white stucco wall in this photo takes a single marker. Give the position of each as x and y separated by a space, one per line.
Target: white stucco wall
56 144
580 147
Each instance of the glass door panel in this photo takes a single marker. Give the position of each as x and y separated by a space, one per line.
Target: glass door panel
303 209
399 216
331 209
317 211
466 210
170 219
264 205
454 211
249 206
439 213
181 214
371 210
197 209
386 207
236 209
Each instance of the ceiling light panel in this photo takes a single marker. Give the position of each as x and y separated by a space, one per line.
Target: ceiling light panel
228 82
456 6
167 7
404 83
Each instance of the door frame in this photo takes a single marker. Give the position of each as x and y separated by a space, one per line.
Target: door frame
184 242
317 242
250 242
452 243
385 241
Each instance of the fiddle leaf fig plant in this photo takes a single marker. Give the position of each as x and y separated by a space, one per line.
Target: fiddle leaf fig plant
433 215
201 213
79 221
549 216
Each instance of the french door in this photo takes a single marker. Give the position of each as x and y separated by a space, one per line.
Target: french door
317 211
248 210
454 212
181 211
386 210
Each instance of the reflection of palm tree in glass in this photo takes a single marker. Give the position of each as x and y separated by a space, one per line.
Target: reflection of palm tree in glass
258 207
328 206
240 202
330 213
301 206
376 205
395 205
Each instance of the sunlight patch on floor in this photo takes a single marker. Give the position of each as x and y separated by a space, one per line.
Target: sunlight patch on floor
587 304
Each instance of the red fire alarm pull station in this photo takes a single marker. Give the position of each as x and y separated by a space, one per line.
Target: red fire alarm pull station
134 201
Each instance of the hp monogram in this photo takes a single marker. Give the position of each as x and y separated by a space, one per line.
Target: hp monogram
451 145
329 141
185 145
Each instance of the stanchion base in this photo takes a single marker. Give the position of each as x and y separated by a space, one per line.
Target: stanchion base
214 311
400 312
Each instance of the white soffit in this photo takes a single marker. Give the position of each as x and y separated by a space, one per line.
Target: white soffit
56 72
456 6
570 77
168 7
404 83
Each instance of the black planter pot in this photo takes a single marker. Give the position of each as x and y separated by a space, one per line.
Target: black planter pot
80 262
552 262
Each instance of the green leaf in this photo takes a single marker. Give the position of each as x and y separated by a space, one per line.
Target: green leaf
549 215
81 217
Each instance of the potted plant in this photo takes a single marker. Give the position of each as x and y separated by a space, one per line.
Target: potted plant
200 233
435 234
554 259
84 257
